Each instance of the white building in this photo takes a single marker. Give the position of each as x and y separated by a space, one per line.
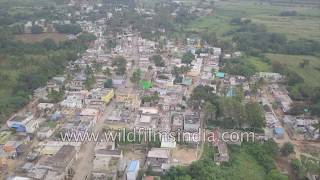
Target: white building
72 102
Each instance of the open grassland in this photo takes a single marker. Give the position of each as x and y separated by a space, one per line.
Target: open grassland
258 64
305 25
32 38
310 73
217 24
294 27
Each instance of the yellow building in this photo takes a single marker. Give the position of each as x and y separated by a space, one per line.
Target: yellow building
109 94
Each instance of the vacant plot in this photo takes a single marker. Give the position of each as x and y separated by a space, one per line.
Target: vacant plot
184 155
32 38
310 73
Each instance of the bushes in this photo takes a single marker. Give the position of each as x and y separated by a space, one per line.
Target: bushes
287 149
68 28
157 60
36 29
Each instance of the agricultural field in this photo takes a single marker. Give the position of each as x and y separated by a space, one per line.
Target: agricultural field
258 64
310 73
32 38
217 24
305 25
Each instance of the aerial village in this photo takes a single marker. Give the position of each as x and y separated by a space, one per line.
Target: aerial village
98 94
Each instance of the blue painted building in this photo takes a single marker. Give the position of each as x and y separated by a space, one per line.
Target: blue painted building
133 169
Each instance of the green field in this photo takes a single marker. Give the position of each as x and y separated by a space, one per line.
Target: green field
217 24
259 65
310 73
305 25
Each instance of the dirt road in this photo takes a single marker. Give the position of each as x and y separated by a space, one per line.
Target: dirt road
83 165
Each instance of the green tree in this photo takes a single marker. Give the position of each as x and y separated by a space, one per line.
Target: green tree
232 113
316 109
210 111
107 72
87 37
121 65
68 28
49 44
111 43
287 149
89 82
35 29
157 59
255 115
56 96
298 169
136 76
187 58
108 83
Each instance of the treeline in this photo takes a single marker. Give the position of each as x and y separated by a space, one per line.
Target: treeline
254 39
31 66
288 13
68 28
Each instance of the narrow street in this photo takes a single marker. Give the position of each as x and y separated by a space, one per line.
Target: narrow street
84 164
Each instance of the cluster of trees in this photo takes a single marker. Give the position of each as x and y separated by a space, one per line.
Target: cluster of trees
136 76
239 67
255 39
108 83
183 16
227 112
17 29
157 60
111 43
68 28
177 72
90 79
35 29
187 58
233 114
121 65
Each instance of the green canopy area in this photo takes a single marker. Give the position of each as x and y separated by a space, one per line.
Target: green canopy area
145 84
